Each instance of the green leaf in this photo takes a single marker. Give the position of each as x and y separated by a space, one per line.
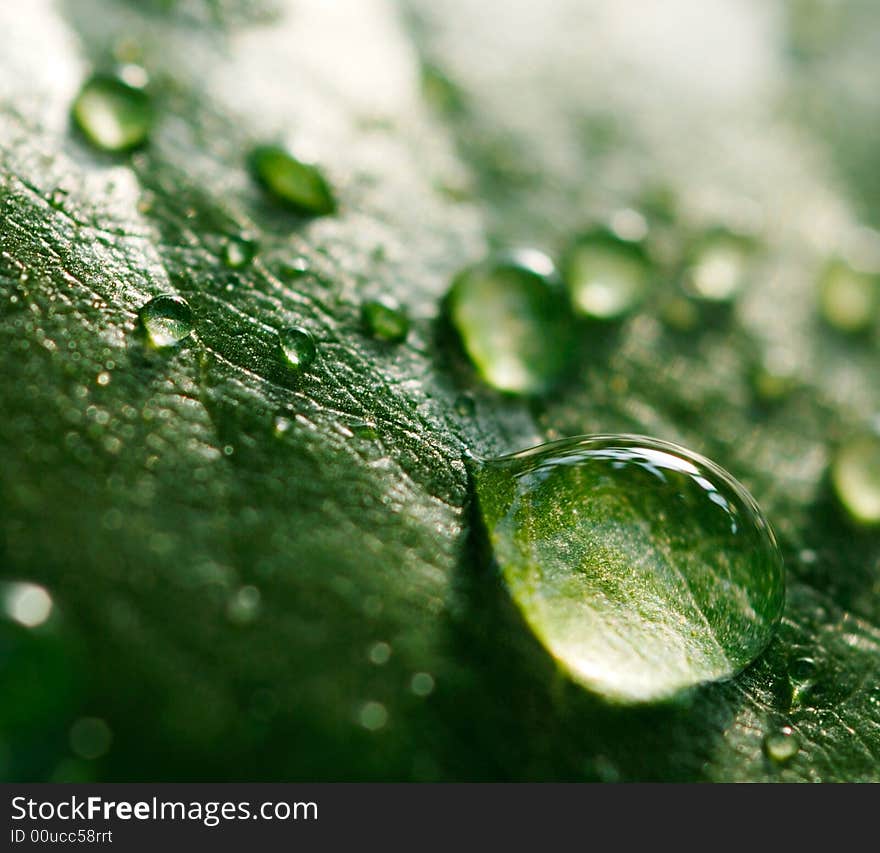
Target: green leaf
227 543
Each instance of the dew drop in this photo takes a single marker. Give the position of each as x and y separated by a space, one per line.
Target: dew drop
643 568
379 653
29 604
113 115
363 429
297 347
465 405
373 716
385 320
855 477
719 266
296 268
298 185
167 320
802 669
238 252
244 606
422 684
774 377
90 738
607 276
513 323
781 746
848 299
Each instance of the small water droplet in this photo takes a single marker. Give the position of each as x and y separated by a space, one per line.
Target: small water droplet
465 405
774 377
296 268
363 429
848 299
373 716
29 604
643 568
780 747
380 653
244 606
802 669
629 224
680 313
607 276
808 557
300 186
513 322
90 738
422 684
719 266
385 320
103 378
281 425
167 320
239 252
113 115
855 477
297 347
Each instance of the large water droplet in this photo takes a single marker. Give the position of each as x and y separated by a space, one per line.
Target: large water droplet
297 347
300 186
781 746
606 276
513 322
643 568
848 299
855 475
167 320
385 320
113 115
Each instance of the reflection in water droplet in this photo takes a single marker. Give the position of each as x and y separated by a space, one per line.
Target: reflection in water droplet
511 317
719 267
855 476
239 252
385 320
848 299
373 716
298 185
90 738
642 567
113 115
781 746
298 348
167 320
606 276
